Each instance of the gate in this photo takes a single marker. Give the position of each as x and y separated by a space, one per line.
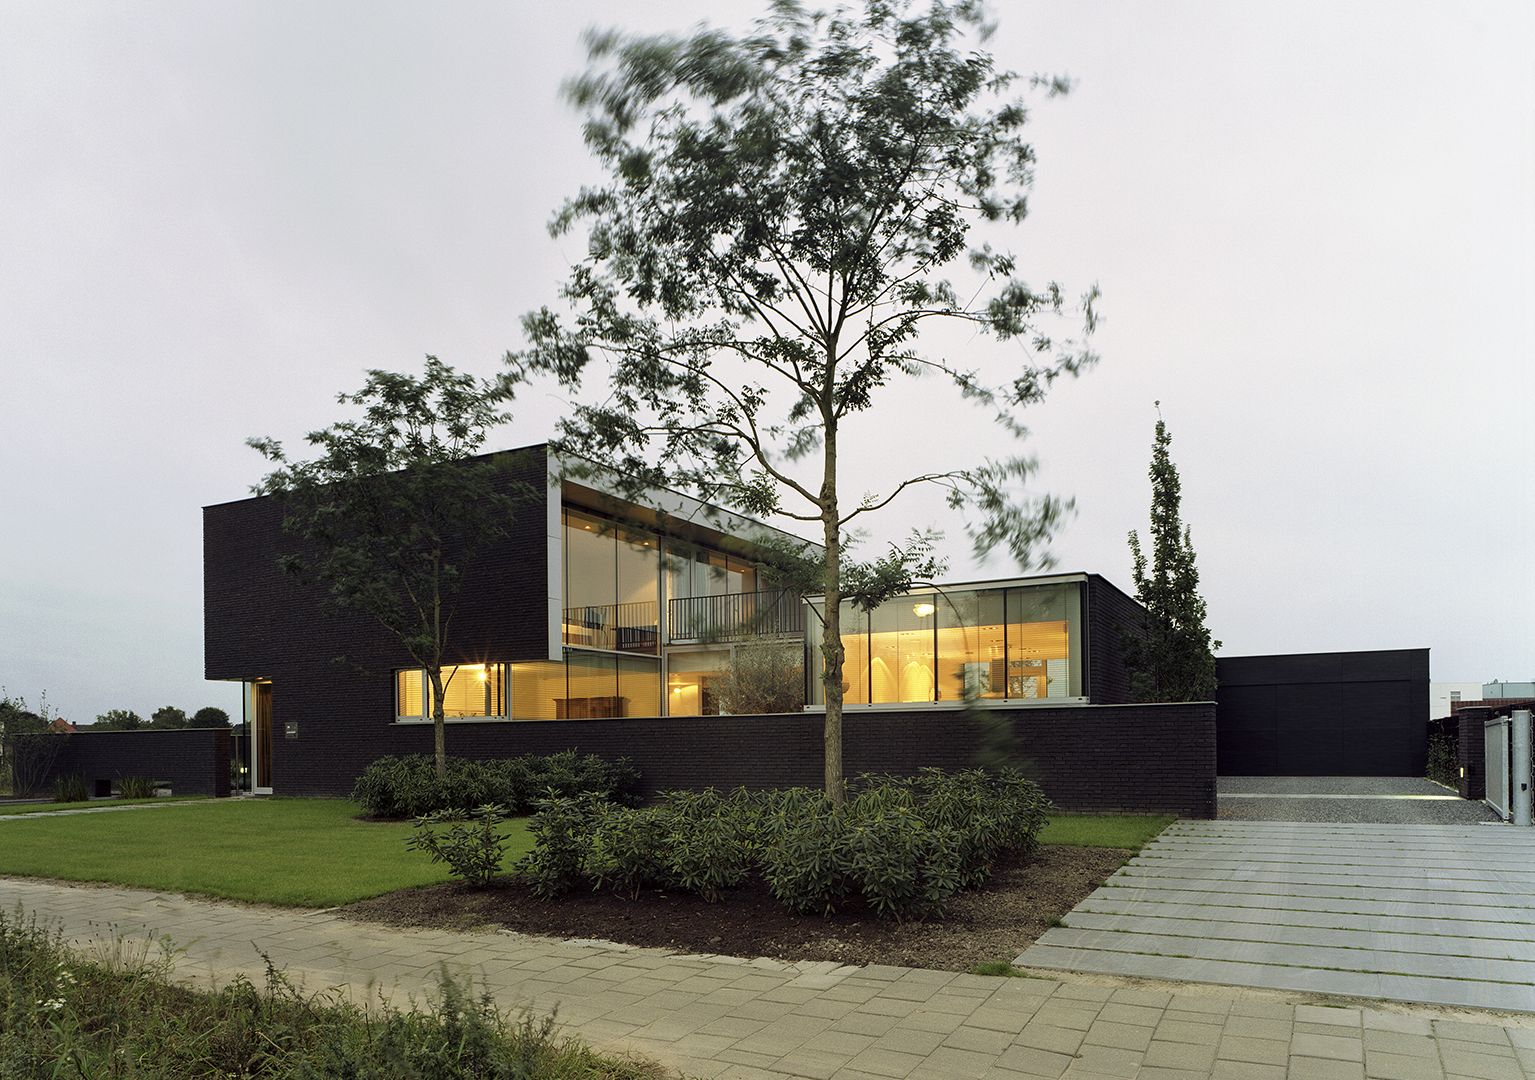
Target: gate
1496 736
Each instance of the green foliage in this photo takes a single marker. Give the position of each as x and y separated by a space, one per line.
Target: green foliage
29 745
168 717
1443 760
408 787
764 678
123 1014
471 845
119 720
901 846
210 716
393 513
1132 831
71 789
136 787
1174 660
784 213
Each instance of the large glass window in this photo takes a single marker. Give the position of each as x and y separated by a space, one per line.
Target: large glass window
1020 644
691 679
612 585
469 690
537 687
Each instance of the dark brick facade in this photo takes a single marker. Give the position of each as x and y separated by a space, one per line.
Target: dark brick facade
192 761
1130 758
1472 751
330 718
1324 714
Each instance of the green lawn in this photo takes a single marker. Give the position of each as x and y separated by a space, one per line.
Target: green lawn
309 852
92 804
1104 830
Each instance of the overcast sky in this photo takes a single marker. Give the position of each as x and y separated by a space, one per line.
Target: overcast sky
1313 225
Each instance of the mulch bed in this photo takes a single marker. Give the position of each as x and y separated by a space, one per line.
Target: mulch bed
993 923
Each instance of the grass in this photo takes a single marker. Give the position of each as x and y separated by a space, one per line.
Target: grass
1002 969
1104 830
92 804
115 1011
305 852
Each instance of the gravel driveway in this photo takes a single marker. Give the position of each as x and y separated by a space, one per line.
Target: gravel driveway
1380 800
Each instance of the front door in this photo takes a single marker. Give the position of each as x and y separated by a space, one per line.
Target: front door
261 737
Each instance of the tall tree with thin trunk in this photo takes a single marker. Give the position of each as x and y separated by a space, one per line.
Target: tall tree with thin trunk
396 508
1175 659
785 213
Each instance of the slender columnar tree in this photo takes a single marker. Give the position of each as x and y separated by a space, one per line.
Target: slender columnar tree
784 214
1175 659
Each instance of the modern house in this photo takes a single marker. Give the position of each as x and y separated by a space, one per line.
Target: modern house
611 626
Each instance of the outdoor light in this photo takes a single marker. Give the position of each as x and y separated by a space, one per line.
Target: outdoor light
923 610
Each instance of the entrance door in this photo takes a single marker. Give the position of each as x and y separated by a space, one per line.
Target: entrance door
261 737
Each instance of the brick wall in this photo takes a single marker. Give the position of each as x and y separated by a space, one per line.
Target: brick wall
1111 617
1132 758
1473 751
193 761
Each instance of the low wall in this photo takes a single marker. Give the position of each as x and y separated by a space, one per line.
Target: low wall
1126 758
193 761
1473 751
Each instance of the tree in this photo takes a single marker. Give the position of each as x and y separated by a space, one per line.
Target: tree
210 716
764 678
168 717
119 720
771 241
29 743
392 514
1175 659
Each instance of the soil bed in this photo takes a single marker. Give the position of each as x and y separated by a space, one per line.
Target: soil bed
993 923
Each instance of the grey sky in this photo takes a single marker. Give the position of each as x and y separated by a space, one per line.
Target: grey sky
1313 225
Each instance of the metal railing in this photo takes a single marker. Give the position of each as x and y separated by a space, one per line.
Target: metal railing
735 616
618 627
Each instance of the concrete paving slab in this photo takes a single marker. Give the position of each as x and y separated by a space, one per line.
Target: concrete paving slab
1442 914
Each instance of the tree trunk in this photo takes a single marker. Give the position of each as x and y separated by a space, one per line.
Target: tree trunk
439 728
831 631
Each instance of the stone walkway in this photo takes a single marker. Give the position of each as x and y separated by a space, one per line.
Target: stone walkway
712 1016
1439 914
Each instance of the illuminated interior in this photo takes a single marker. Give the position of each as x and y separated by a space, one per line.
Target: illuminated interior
468 690
1014 644
691 682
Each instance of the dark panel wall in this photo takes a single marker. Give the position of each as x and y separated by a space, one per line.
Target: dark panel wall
1473 751
1321 714
1111 617
193 761
259 621
1141 758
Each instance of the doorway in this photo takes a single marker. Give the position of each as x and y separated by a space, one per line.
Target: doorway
261 736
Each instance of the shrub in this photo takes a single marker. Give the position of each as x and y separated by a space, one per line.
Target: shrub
562 832
471 845
136 787
627 849
1443 760
408 787
71 788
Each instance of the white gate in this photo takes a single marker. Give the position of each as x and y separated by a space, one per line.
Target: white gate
1495 734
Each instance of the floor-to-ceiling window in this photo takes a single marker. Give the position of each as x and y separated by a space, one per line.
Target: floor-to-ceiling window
1017 643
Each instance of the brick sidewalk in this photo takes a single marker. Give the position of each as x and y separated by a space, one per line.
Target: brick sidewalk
712 1016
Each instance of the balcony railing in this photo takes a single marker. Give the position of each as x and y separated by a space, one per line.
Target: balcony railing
735 616
619 627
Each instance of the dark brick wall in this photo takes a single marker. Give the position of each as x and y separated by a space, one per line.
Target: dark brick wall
259 622
1324 714
193 761
1136 758
1473 751
1111 617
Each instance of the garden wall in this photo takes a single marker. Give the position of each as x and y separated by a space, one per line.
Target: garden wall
1131 758
193 761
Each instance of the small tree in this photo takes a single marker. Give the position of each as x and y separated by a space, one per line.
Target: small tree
210 716
777 230
168 717
1175 659
396 508
119 720
29 745
764 678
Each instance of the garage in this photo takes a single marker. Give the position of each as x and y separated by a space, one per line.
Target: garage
1323 714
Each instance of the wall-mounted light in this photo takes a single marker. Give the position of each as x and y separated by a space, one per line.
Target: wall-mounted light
922 610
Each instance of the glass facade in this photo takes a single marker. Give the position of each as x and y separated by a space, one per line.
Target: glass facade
1016 643
469 690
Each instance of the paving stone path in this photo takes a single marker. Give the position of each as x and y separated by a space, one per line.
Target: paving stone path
1441 914
712 1016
